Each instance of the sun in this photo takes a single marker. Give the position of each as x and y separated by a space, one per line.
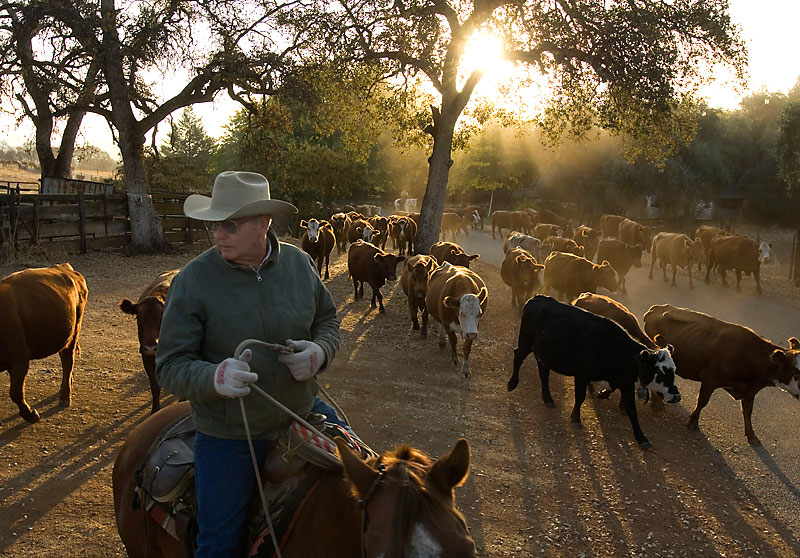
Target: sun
484 51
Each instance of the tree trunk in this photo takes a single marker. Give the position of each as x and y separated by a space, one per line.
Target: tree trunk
430 220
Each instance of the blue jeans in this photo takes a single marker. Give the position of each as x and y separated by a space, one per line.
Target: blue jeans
224 483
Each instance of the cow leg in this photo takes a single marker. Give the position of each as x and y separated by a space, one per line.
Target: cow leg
757 277
580 397
519 357
319 266
652 265
747 413
451 336
738 280
664 270
466 350
702 400
327 263
442 341
622 288
355 288
629 400
691 283
674 274
724 273
424 331
376 294
17 372
412 309
67 363
544 377
149 362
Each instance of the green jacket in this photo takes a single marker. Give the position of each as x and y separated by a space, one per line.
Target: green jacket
212 305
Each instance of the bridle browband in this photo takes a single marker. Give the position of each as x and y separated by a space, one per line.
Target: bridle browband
365 500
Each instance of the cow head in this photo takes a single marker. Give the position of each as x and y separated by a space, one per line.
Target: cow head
645 236
787 375
148 314
764 252
635 254
605 276
419 276
696 253
657 373
366 233
527 271
387 265
312 229
338 222
469 311
462 259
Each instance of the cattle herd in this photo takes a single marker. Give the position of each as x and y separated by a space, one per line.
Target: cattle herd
586 335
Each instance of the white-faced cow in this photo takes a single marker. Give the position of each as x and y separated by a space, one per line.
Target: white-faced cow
148 311
456 298
738 253
520 271
41 310
414 282
360 229
724 355
677 250
366 263
403 230
574 342
318 242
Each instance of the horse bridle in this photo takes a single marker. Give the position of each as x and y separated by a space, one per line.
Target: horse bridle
365 500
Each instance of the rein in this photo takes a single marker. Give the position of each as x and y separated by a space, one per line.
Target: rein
363 504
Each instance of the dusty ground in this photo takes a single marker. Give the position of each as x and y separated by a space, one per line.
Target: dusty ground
537 486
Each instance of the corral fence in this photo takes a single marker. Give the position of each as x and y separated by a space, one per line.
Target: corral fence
78 222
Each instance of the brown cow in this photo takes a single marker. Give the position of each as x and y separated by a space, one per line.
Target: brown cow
516 239
368 263
403 231
360 229
512 220
381 225
609 224
675 249
454 223
589 238
42 310
451 252
456 298
520 271
545 215
148 311
340 223
724 355
414 281
572 275
318 242
631 232
559 244
543 230
621 256
738 253
705 235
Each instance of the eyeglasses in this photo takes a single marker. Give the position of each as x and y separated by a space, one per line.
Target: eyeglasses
230 226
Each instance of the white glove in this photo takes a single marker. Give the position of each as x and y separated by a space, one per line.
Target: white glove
305 363
233 375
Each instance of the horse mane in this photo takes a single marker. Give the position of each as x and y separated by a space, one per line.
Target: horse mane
407 471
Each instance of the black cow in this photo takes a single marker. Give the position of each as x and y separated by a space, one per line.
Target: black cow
574 342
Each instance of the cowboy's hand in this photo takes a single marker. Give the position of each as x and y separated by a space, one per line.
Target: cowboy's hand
305 363
233 375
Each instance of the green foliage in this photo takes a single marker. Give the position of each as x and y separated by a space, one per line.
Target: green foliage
787 146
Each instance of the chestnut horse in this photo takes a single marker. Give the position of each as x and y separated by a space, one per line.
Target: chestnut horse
408 504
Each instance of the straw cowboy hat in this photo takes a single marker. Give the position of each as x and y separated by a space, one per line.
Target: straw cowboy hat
236 194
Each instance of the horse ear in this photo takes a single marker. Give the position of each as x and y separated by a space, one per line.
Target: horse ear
452 469
360 475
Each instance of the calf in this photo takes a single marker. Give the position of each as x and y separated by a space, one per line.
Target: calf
631 232
380 224
456 298
414 281
340 223
42 310
543 230
572 275
675 249
724 355
559 244
368 263
454 223
403 231
621 256
574 342
516 239
589 238
360 229
318 242
609 224
520 271
738 253
452 253
148 311
705 235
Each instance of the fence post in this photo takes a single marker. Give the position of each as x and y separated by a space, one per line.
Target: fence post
189 231
12 206
35 220
793 269
82 217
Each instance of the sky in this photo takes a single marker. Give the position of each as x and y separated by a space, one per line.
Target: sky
769 28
